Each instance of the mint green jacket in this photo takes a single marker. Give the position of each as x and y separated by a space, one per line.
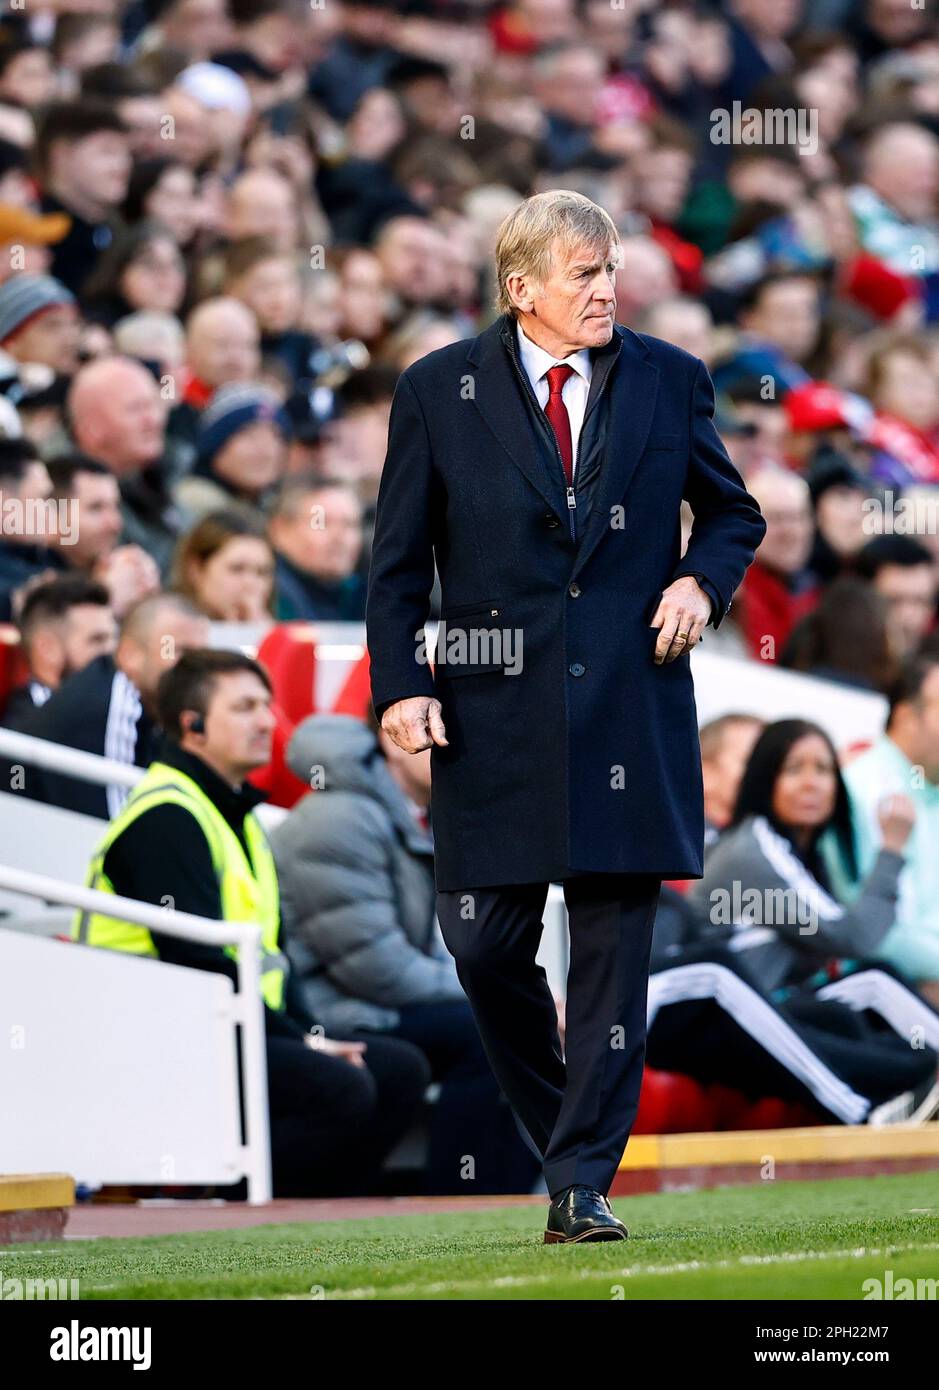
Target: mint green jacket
912 944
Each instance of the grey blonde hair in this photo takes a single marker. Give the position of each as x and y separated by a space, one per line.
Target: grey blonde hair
527 238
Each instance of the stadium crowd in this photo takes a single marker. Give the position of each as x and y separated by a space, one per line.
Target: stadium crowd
227 226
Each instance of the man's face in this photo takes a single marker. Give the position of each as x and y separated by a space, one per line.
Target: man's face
324 536
224 348
787 512
97 501
723 773
264 208
50 338
573 88
271 290
786 315
239 724
134 419
575 305
89 630
100 166
908 388
172 633
910 591
413 260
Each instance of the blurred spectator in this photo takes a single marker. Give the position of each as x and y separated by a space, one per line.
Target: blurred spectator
27 536
241 451
134 99
83 159
845 638
904 573
27 77
410 252
165 191
359 437
90 494
39 323
779 316
263 203
778 588
189 836
904 763
796 939
268 281
225 565
894 205
63 625
118 416
355 864
141 270
683 321
152 337
726 745
109 707
838 494
902 385
222 345
316 531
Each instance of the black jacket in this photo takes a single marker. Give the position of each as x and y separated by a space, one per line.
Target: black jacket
98 710
18 564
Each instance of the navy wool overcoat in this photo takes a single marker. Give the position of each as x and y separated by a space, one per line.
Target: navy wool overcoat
570 751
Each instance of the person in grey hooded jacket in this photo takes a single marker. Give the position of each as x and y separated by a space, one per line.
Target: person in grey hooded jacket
355 865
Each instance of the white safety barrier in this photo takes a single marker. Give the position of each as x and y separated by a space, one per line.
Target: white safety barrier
91 767
38 834
122 1069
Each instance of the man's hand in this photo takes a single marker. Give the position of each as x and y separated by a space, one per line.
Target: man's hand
129 574
336 1047
415 724
682 616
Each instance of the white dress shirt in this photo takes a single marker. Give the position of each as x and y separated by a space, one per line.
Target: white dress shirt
574 391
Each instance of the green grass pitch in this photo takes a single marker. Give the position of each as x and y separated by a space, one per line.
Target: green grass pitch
776 1240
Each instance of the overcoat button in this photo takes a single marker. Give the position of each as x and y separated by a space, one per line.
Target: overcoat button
577 669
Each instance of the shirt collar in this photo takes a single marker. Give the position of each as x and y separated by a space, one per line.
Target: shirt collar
536 361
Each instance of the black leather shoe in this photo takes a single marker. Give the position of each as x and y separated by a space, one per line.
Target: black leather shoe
582 1213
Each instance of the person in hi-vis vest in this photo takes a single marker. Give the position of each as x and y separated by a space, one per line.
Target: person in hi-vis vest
188 837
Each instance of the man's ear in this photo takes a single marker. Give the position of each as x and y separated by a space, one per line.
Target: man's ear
193 724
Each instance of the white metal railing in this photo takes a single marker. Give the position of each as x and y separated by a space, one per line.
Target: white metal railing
91 767
248 1008
73 762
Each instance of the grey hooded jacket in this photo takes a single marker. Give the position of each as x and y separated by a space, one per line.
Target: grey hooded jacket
357 884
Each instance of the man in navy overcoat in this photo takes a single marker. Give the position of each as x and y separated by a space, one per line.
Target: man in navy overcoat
542 465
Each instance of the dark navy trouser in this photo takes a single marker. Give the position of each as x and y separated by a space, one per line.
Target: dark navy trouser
576 1110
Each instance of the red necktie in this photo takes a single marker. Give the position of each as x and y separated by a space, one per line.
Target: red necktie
556 412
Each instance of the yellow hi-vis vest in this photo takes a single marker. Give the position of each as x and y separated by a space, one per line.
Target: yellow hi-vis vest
248 894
